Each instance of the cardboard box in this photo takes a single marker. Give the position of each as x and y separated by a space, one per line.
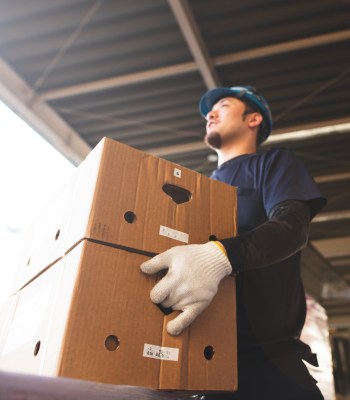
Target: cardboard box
120 195
89 316
81 306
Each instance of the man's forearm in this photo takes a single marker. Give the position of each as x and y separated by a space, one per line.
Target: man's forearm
285 233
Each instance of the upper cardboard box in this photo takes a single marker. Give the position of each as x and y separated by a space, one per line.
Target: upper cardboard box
126 197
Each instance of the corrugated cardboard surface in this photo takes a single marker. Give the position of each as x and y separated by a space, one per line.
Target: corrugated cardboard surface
67 321
114 182
81 306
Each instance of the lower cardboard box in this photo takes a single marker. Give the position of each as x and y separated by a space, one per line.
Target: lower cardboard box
89 316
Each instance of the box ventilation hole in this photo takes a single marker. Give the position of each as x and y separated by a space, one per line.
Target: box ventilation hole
209 352
111 343
37 348
57 234
129 217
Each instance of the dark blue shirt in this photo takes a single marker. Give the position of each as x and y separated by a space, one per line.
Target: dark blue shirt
266 179
271 305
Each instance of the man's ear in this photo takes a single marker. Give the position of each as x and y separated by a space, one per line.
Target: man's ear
254 119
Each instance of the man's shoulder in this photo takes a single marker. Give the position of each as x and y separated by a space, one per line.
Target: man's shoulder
274 152
276 155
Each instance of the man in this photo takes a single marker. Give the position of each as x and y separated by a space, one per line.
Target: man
277 199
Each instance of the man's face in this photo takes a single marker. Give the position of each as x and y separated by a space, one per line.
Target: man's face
225 122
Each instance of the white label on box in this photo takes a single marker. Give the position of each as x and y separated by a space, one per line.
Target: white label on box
173 234
160 353
177 172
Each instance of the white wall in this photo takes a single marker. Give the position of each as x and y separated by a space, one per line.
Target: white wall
30 172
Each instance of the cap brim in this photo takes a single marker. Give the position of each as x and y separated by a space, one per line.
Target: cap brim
211 97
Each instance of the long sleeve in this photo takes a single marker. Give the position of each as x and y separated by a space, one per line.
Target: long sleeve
285 233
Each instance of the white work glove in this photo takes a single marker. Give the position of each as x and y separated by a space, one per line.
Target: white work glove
192 280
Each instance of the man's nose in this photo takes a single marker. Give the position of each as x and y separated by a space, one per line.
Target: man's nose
211 114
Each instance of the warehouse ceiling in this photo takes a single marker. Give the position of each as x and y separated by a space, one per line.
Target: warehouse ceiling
79 70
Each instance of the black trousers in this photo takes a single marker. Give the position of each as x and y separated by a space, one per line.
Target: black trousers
286 378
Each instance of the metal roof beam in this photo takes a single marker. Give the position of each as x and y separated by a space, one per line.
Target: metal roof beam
279 48
118 81
205 65
193 37
340 215
303 132
18 95
343 176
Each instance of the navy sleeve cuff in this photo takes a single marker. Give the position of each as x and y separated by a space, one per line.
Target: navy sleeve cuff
235 253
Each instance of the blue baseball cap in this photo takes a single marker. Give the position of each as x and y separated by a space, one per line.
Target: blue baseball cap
248 95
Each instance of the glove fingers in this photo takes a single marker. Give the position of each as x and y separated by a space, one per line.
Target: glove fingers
161 290
183 320
156 264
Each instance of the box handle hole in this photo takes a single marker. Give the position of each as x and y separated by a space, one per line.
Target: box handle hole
178 194
209 352
111 343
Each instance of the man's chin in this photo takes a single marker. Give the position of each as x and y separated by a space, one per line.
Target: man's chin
213 140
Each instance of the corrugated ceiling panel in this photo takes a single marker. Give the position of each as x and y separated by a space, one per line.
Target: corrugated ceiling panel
134 36
147 115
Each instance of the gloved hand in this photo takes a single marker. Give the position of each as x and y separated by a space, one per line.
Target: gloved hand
192 280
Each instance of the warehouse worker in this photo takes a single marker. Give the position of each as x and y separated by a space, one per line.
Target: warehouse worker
277 199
